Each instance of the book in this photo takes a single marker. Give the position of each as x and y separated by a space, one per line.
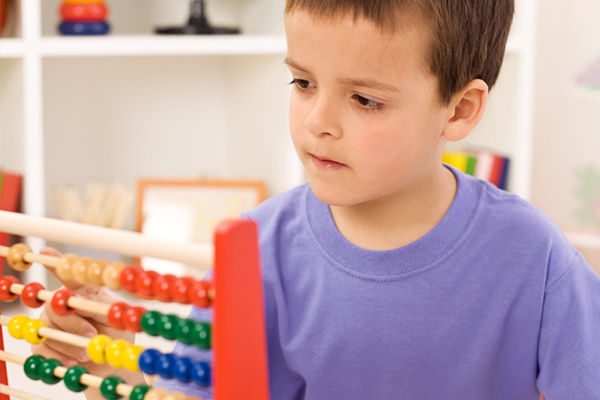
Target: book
10 199
481 164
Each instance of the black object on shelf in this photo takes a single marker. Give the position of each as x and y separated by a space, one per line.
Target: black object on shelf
197 24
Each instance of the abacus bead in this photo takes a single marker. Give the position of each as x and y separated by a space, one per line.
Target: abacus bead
201 373
72 378
129 276
29 295
5 284
94 272
182 369
59 302
185 329
16 257
130 357
116 315
108 387
112 274
201 335
16 326
46 371
150 322
165 364
97 348
163 287
182 290
30 331
148 360
144 283
32 366
79 270
156 394
63 267
133 317
200 294
175 396
167 326
139 392
115 351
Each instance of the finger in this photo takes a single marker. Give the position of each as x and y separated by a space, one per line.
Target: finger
72 352
48 352
69 284
73 323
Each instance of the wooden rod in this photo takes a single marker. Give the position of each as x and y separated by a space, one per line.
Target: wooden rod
55 334
113 240
19 393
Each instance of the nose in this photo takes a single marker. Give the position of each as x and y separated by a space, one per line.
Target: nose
323 117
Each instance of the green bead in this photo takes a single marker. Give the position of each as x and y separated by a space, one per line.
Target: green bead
108 387
32 365
150 322
72 378
185 330
46 371
167 326
201 335
139 392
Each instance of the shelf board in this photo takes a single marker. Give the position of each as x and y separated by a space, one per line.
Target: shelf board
154 45
11 48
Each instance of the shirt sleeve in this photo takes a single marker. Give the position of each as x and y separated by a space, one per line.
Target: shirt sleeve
569 343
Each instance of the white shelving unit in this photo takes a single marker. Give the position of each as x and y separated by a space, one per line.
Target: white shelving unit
133 104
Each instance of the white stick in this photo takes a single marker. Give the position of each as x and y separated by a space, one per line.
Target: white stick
113 240
19 393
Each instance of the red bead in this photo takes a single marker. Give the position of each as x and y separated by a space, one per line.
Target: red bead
29 295
163 287
144 284
182 290
116 315
132 318
59 302
129 277
5 283
200 294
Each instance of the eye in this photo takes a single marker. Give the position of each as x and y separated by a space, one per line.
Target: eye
302 84
367 103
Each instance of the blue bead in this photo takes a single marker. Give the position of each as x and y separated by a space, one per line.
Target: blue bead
164 365
148 360
201 373
182 369
84 28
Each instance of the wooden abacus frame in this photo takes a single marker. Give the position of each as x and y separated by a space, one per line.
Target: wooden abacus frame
239 344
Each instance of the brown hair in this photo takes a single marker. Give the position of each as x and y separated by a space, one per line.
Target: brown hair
468 37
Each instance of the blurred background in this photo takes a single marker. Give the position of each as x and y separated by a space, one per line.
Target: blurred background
129 104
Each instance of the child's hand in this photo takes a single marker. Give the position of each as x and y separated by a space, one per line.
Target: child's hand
86 324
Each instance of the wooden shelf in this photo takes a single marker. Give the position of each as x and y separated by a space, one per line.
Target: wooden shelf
60 46
11 48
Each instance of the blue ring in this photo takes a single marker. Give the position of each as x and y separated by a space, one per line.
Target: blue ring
84 28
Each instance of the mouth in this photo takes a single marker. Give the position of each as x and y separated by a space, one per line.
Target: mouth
325 163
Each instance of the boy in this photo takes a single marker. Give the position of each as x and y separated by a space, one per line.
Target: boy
390 275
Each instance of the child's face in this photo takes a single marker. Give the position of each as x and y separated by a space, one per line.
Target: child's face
365 116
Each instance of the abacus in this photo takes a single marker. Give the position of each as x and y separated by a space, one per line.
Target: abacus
237 335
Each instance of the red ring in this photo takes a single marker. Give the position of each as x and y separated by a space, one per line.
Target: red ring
183 288
5 293
116 315
129 276
200 294
59 302
163 287
144 284
29 295
84 12
133 317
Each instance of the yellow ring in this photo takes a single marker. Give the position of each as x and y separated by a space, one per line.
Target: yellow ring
97 348
16 326
30 331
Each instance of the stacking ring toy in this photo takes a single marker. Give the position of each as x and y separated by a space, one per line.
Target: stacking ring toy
84 28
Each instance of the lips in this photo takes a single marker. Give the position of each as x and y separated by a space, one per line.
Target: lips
327 164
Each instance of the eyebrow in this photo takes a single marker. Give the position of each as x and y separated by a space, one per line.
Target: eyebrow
367 83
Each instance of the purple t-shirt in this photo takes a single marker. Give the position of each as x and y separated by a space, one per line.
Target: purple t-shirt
492 303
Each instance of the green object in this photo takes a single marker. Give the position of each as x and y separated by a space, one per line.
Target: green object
108 387
588 194
150 322
184 330
46 371
167 326
201 335
139 392
72 378
471 165
32 365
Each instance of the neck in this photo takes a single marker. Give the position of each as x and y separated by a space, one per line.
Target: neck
400 218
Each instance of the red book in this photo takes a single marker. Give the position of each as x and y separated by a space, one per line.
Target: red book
10 198
497 169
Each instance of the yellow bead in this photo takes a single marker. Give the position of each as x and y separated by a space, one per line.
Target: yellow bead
112 274
115 351
94 272
63 267
97 348
79 270
30 331
16 325
130 357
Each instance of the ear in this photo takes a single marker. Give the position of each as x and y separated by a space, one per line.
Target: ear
465 110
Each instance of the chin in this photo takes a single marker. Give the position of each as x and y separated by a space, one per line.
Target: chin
333 195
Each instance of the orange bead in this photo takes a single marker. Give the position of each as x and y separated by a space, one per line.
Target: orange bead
175 396
79 269
94 272
112 274
63 267
156 394
16 257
